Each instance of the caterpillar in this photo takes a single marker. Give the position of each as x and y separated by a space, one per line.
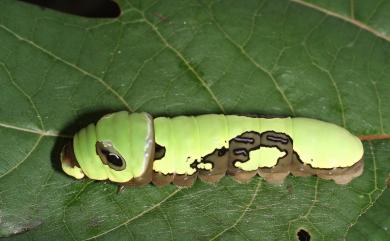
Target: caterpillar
135 149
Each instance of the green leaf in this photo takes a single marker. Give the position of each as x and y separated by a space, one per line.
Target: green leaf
374 223
315 59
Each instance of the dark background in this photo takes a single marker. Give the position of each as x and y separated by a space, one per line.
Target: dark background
86 8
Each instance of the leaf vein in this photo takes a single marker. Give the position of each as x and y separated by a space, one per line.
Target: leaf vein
83 188
352 21
184 60
81 70
338 94
38 132
28 97
370 194
138 215
24 158
141 68
253 24
254 62
234 225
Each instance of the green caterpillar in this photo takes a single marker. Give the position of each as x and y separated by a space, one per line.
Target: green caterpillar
135 149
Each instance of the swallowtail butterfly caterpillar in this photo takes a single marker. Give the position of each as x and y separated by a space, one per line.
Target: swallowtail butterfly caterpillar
135 149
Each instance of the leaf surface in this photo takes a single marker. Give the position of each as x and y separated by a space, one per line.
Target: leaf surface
315 59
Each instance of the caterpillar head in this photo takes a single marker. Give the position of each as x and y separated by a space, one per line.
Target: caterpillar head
120 147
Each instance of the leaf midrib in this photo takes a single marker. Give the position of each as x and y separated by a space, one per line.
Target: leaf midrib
352 21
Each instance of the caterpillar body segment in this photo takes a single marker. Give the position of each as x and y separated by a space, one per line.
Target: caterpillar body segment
135 149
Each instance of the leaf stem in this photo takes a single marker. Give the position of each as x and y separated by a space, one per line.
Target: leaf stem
374 137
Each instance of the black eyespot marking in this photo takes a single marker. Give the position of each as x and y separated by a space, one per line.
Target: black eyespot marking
113 158
159 152
109 156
